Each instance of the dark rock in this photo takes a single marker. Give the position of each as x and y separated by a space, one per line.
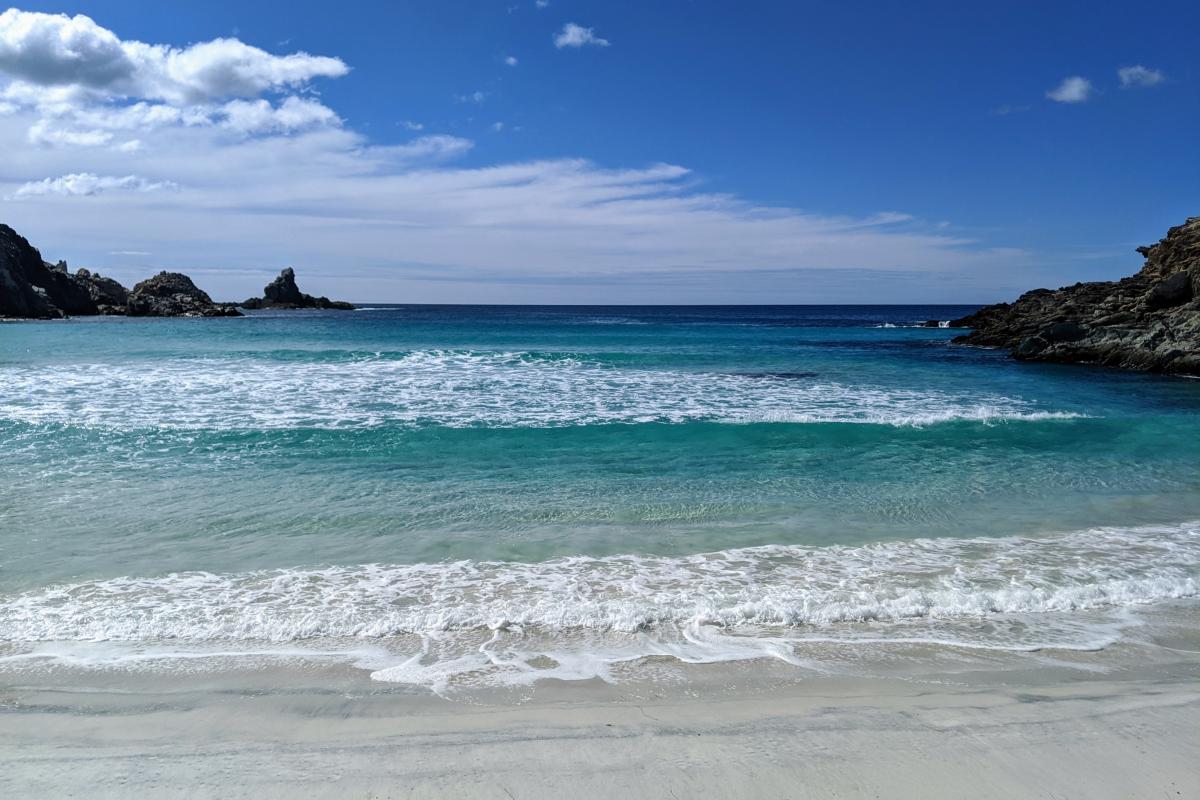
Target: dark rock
1170 292
172 294
29 287
109 296
1144 322
283 293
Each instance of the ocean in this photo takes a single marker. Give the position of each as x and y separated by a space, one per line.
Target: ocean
467 496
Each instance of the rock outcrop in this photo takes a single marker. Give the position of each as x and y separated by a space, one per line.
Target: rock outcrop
108 296
31 288
172 294
283 293
1149 321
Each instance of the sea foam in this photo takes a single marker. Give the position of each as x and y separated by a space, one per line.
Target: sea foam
509 622
459 389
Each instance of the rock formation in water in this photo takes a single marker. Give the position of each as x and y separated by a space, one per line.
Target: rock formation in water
33 288
172 294
283 293
1149 321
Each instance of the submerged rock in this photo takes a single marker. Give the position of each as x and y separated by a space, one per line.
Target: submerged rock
283 293
1149 321
172 294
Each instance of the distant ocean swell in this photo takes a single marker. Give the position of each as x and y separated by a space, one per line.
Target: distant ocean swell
448 388
738 603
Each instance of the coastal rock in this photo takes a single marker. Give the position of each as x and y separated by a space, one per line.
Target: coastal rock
172 294
108 296
31 288
283 293
1149 321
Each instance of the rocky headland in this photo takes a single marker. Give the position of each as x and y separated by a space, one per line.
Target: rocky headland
31 288
1149 321
283 293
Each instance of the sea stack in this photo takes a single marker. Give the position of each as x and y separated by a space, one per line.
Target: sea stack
1149 321
283 293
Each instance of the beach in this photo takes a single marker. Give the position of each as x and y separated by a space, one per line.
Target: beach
1114 724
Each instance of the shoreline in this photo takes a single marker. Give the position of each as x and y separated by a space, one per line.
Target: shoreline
1113 723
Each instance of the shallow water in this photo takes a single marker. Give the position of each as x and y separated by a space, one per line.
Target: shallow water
466 489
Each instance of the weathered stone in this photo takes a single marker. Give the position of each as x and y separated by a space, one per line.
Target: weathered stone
172 294
283 293
1146 321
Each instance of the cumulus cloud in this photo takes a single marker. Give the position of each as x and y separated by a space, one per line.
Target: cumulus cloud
511 61
1139 77
1074 89
573 35
54 50
84 184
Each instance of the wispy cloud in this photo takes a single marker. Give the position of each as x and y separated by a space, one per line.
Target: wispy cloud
477 97
85 184
511 61
284 180
1075 89
573 35
1139 77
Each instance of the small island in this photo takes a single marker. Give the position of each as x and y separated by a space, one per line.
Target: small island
283 293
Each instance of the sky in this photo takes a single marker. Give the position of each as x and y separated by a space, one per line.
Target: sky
596 151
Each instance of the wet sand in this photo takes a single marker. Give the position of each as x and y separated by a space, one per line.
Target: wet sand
1124 723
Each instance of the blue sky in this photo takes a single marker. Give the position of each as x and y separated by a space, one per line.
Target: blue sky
666 152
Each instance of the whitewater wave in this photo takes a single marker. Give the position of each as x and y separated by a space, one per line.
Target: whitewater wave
457 389
501 621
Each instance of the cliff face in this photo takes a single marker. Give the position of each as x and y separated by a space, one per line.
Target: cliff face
29 287
1149 321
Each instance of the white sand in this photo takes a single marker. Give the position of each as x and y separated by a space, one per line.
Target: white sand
1109 730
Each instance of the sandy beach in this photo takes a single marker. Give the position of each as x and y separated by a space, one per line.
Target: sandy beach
1121 723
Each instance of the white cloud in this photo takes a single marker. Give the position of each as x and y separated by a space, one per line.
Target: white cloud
541 3
54 50
511 61
86 184
497 126
294 113
282 180
573 35
412 126
1074 89
1138 77
477 97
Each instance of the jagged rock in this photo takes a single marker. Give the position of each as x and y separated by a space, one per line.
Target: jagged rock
109 296
29 287
283 293
1149 321
172 294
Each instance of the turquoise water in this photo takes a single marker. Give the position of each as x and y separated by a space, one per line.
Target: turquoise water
612 482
